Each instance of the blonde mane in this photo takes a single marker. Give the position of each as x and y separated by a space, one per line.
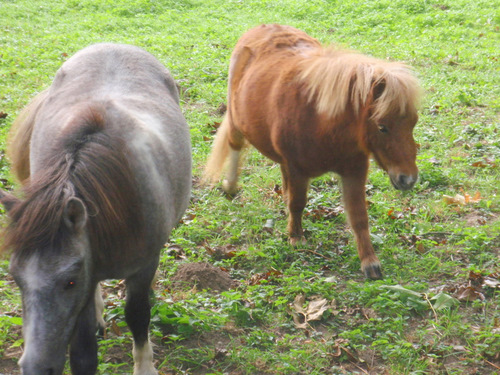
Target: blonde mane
336 77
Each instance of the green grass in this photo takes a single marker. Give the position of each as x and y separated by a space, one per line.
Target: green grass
426 247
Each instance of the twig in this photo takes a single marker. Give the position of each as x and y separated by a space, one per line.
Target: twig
362 369
433 311
315 253
436 234
430 304
492 364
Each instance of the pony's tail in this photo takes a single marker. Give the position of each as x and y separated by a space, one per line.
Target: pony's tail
18 149
220 151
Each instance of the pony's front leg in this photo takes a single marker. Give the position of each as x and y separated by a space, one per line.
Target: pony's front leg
353 188
295 186
83 346
137 315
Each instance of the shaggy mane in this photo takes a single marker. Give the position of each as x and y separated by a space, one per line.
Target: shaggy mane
336 77
88 163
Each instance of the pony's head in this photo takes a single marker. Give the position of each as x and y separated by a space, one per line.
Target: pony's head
52 267
390 116
381 96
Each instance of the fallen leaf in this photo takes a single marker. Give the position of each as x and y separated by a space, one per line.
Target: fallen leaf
258 278
13 352
469 293
420 247
176 251
456 200
303 315
114 327
316 309
223 252
324 213
341 346
214 126
277 189
476 279
476 198
415 299
443 301
491 282
268 226
462 200
222 109
486 162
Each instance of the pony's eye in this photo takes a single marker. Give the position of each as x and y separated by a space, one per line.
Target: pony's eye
383 129
70 284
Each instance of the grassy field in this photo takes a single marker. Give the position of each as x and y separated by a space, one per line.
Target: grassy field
437 310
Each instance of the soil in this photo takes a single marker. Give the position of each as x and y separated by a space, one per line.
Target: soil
202 276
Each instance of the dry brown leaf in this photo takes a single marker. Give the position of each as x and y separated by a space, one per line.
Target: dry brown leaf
486 162
176 251
223 252
462 199
456 200
469 293
277 189
314 310
257 278
491 282
114 327
340 347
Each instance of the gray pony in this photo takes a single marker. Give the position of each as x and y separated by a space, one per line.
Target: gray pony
104 158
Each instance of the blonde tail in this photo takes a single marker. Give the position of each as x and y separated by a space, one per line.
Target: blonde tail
218 156
18 149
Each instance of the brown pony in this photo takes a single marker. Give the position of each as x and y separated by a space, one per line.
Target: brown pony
314 110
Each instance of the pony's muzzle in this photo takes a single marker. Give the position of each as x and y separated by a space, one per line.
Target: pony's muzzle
29 367
403 181
37 371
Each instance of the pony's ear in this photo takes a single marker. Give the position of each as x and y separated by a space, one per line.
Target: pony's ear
8 200
75 215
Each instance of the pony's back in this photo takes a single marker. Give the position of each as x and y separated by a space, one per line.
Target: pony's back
111 102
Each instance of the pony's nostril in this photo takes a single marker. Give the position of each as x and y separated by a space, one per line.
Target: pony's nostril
406 182
403 180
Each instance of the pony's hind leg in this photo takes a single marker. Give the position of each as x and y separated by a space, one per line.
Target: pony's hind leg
83 346
230 183
284 182
99 310
295 192
137 315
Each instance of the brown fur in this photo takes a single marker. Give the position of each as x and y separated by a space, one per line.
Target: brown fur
315 110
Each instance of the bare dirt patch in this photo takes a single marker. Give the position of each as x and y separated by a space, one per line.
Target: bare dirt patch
202 276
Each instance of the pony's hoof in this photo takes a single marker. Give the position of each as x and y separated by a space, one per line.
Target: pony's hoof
101 331
297 241
229 188
373 271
